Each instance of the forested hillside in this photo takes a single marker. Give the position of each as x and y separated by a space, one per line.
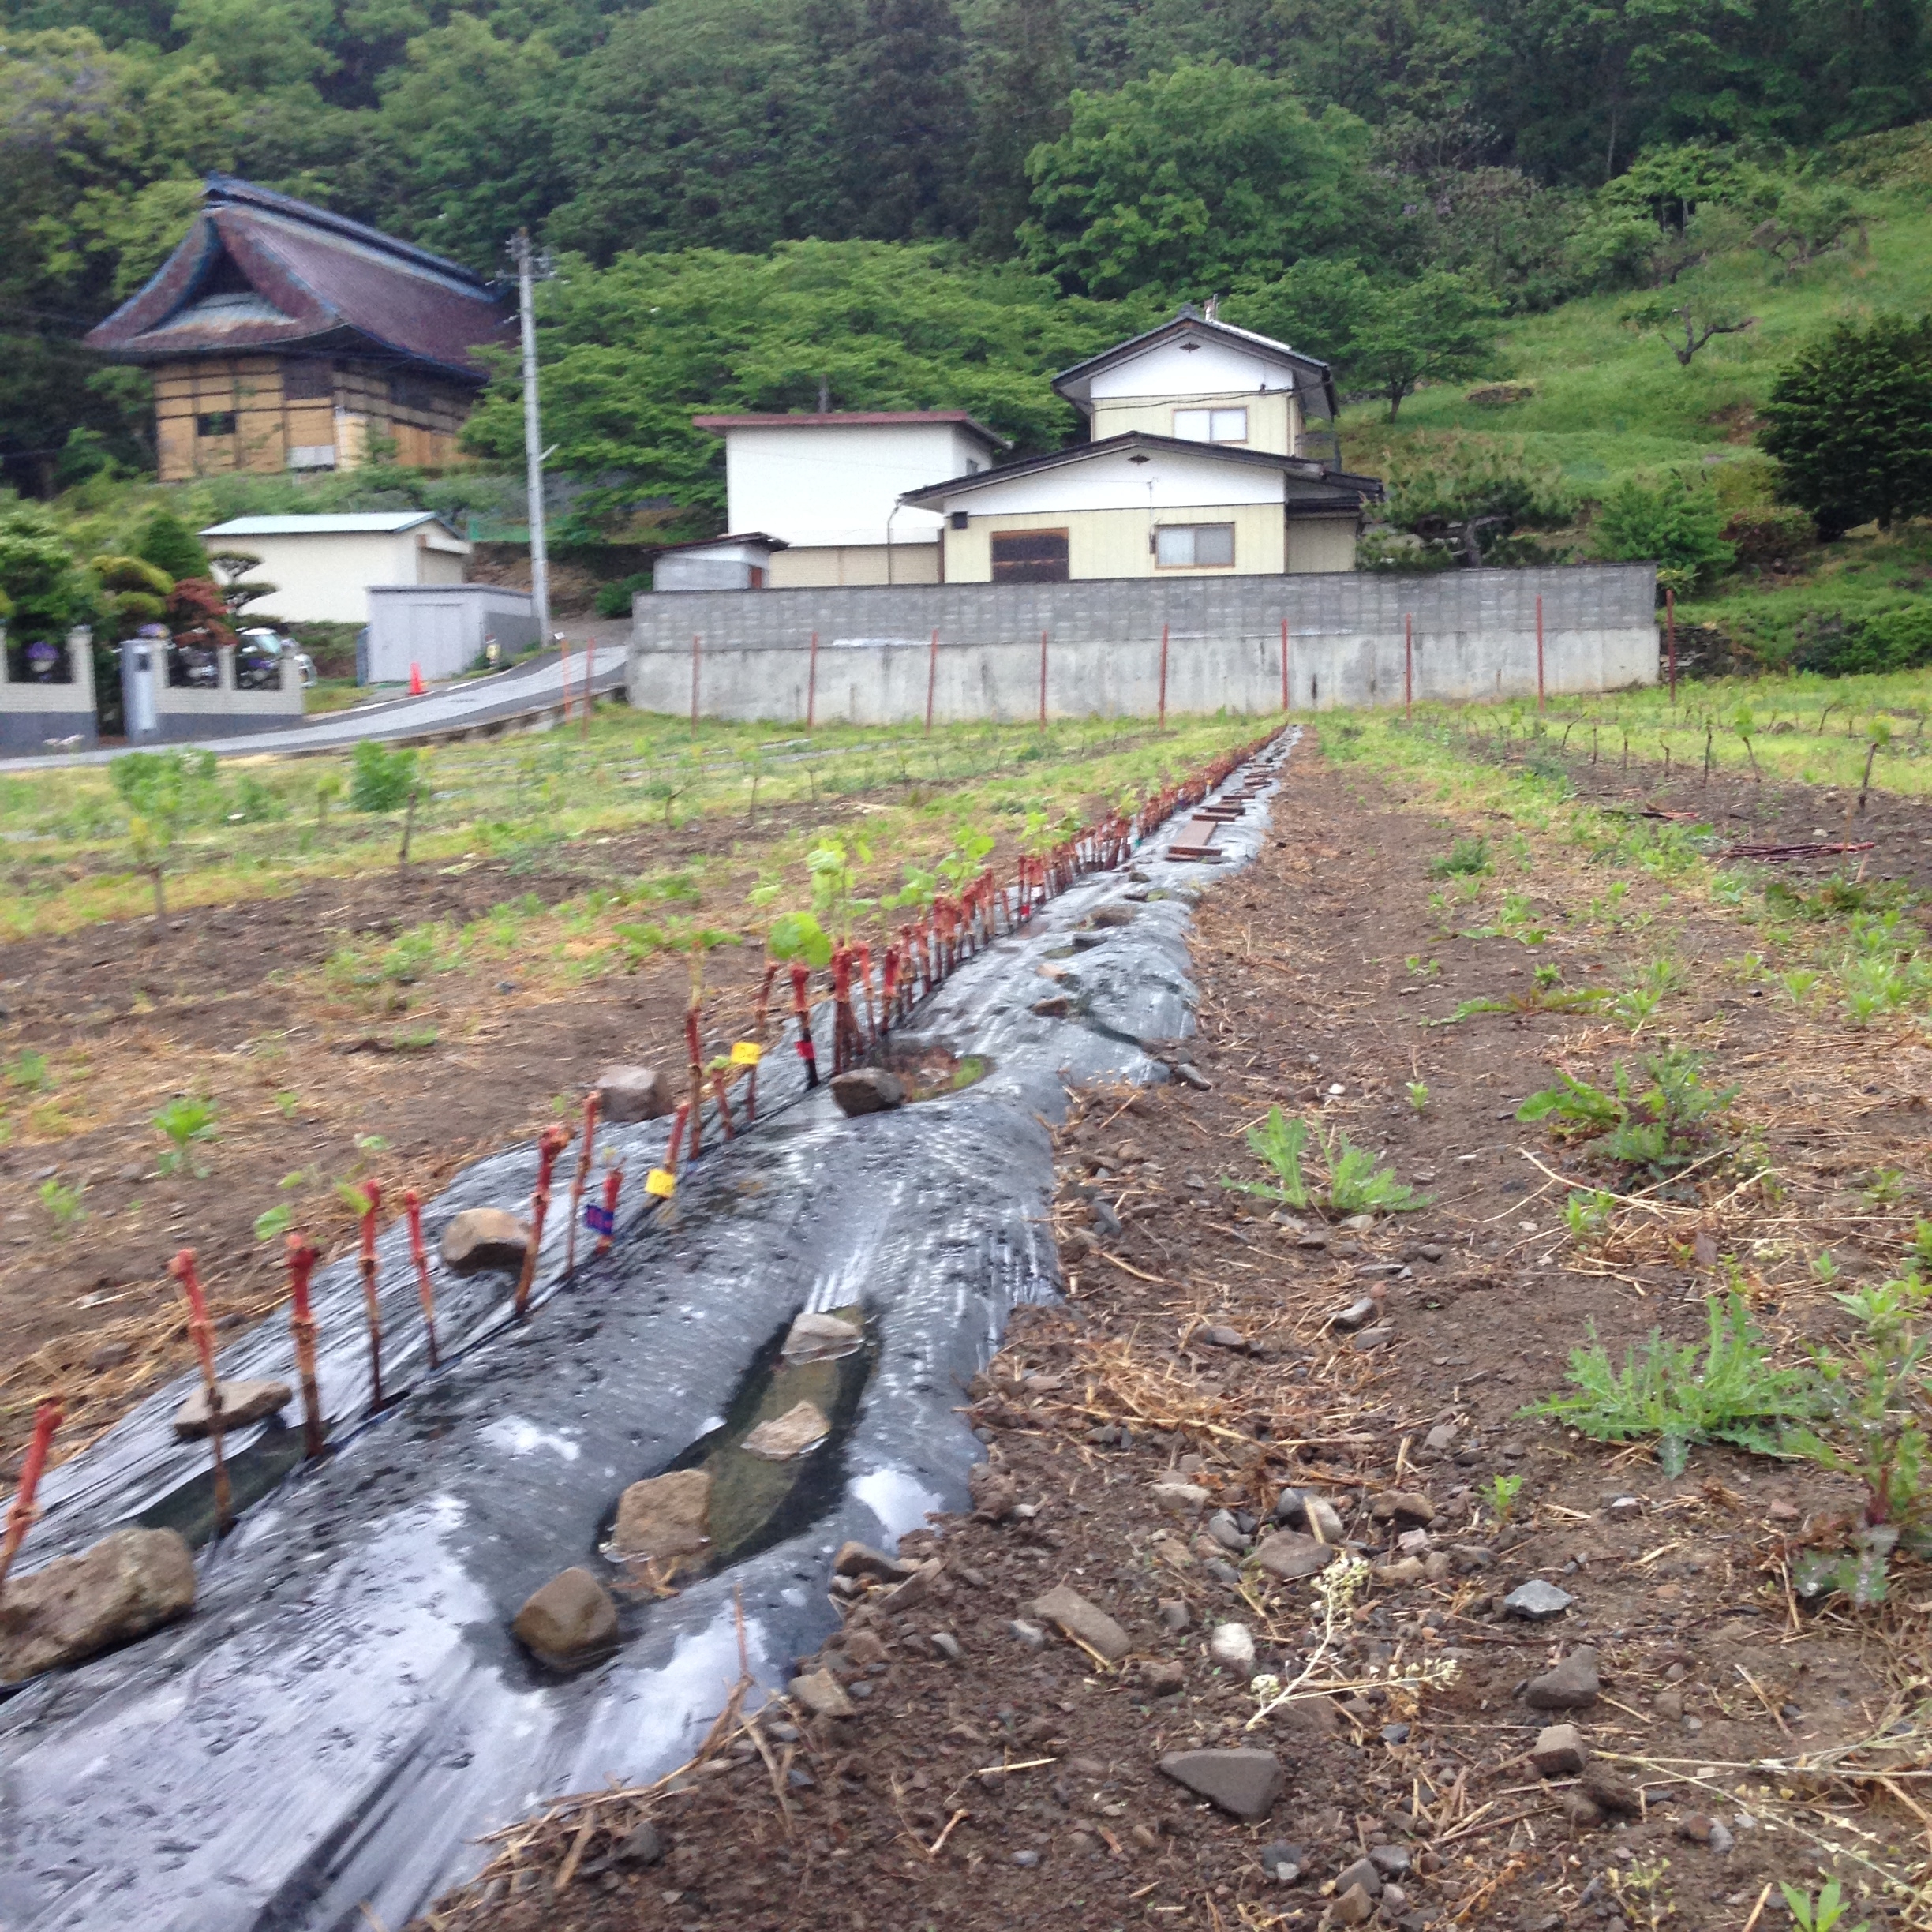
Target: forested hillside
920 201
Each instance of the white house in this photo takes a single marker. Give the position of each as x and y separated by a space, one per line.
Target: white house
1213 453
323 566
832 487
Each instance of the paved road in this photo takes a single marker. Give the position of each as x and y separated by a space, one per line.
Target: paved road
532 688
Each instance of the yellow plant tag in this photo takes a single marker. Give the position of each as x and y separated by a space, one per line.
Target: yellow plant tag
746 1052
660 1181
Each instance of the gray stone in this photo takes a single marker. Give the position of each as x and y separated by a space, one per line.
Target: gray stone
949 1646
1220 1336
1441 1438
1372 1338
1572 1685
1290 1555
644 1846
1189 1075
1361 1873
1356 1315
822 1338
920 1586
1174 1614
1085 1621
1226 1531
1243 1782
242 1403
1232 1646
1669 1705
867 1090
130 1582
1559 1751
481 1239
1391 1860
1300 1509
633 1093
1607 1792
1030 1635
801 1428
1408 1506
1113 915
1164 1679
1026 1859
1180 1499
1537 1601
1282 1862
821 1694
571 1618
665 1517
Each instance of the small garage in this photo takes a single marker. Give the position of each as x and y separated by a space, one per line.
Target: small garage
443 630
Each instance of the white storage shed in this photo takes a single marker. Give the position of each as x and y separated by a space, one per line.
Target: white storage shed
322 566
442 630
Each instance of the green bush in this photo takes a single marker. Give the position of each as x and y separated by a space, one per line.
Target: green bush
1670 523
169 546
1898 639
380 780
613 600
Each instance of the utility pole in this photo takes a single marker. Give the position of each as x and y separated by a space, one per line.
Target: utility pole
527 265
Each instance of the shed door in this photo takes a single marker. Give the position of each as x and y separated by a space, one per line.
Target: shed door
436 638
1029 556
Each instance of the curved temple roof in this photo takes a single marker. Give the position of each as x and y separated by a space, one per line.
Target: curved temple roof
260 270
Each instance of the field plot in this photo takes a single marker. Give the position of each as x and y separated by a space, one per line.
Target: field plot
313 1009
1549 1207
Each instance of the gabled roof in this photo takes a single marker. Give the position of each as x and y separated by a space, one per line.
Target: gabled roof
859 419
343 524
1336 488
759 537
260 270
1077 383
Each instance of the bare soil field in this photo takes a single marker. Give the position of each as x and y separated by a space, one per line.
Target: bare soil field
1212 1351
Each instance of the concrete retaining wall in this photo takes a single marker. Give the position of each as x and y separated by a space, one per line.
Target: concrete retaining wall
1475 637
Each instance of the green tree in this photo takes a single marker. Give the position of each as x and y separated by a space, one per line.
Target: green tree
907 138
630 352
1467 498
1183 183
1671 523
1849 420
1385 337
168 544
1025 70
41 592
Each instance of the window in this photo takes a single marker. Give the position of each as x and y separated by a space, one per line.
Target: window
1029 556
308 382
1211 425
1194 546
216 423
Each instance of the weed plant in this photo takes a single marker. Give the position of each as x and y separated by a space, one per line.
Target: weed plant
1673 1122
1355 1183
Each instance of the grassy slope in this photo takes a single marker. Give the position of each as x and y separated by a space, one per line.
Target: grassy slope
1611 401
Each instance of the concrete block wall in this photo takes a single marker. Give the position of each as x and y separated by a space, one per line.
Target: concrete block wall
1474 638
34 716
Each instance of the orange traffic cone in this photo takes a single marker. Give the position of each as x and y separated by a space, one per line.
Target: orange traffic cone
417 685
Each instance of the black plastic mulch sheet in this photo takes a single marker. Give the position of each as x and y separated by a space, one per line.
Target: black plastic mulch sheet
345 1713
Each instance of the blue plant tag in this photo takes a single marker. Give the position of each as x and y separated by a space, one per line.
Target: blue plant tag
599 1219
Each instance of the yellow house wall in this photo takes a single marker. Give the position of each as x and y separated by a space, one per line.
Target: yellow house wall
820 567
1113 543
268 425
1271 418
1321 543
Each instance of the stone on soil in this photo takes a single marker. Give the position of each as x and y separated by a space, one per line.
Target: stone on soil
1180 1499
1297 1507
1221 1337
480 1239
1607 1792
1572 1685
1559 1751
802 1428
1289 1554
1079 1618
822 1338
1232 1644
1361 1873
1537 1601
571 1617
130 1582
1403 1506
241 1402
860 1560
821 1694
1243 1782
1353 1907
664 1517
867 1090
633 1093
